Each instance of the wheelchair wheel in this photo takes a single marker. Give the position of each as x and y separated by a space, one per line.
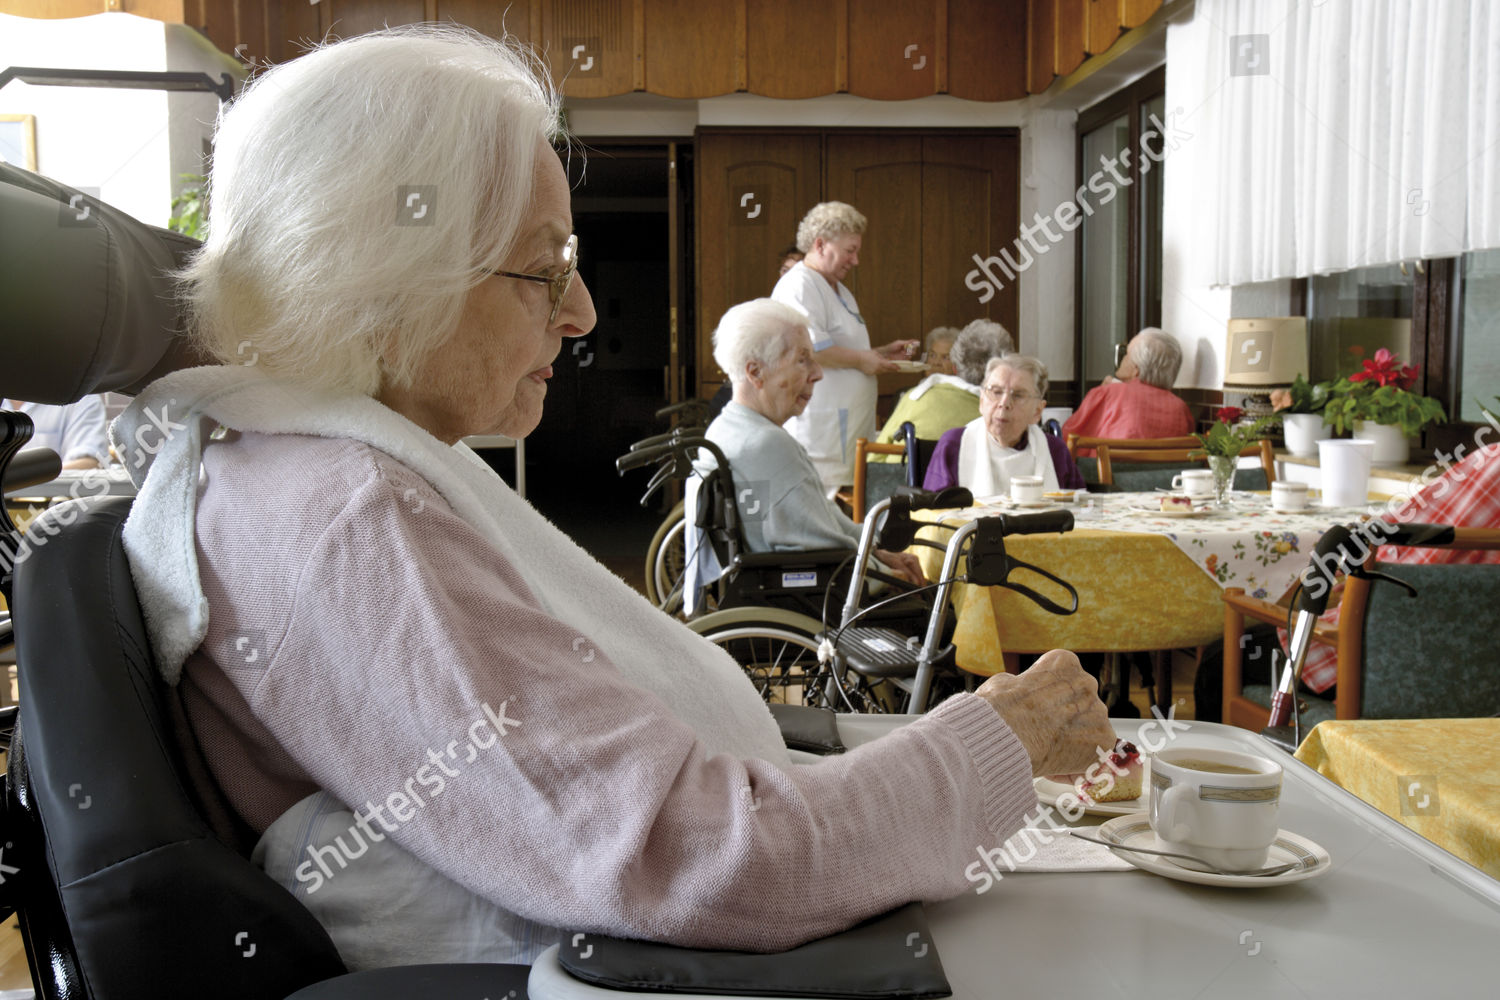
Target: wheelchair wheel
777 649
665 561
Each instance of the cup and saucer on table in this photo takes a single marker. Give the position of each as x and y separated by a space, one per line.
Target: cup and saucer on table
1220 806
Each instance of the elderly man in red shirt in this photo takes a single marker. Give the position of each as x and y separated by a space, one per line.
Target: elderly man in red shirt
1138 401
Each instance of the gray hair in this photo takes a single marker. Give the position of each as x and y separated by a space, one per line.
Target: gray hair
829 220
1021 363
1157 356
938 334
318 257
754 331
977 343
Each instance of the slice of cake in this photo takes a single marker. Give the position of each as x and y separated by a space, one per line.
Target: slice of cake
1176 503
1117 778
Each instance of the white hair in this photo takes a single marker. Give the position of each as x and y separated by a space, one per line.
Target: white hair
359 193
755 331
977 343
829 220
1021 363
1157 356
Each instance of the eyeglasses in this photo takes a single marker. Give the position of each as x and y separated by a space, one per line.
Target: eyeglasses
557 284
995 394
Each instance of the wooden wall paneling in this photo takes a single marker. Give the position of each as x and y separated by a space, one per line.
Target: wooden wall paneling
1041 44
1103 26
1134 13
293 27
970 203
752 188
493 19
162 10
1072 27
987 49
590 45
250 32
358 17
790 48
893 49
50 9
881 175
215 18
690 47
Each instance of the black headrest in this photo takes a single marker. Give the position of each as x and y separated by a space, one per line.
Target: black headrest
88 297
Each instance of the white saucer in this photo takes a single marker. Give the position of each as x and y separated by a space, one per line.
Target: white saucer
1195 512
910 367
1052 791
1029 504
1314 861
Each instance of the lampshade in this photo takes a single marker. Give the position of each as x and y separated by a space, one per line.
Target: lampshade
1265 353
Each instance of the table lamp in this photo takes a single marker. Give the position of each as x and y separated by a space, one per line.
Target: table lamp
1262 354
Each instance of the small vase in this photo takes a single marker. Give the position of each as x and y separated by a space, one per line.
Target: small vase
1303 431
1223 468
1391 446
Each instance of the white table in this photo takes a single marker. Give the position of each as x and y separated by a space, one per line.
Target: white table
1397 917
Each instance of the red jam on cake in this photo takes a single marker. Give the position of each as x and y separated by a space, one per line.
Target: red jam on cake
1176 503
1117 777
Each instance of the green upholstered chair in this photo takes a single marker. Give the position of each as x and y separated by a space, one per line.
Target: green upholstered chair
1399 657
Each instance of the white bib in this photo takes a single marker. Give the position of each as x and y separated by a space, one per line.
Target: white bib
985 467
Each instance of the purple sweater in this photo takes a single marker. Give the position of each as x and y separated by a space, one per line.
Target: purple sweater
942 470
383 630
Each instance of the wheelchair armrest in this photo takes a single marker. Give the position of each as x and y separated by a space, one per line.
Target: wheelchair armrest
421 982
812 557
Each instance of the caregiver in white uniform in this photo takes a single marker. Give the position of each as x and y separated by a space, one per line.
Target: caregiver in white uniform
843 404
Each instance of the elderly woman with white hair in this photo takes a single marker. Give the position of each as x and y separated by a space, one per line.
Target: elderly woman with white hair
765 348
1138 401
1006 439
945 400
842 409
453 731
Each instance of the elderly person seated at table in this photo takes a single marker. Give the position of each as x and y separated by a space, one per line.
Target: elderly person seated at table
948 399
595 760
1005 440
76 431
765 348
1137 402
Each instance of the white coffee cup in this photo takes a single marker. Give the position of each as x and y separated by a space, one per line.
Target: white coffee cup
1194 482
1026 489
1227 818
1288 496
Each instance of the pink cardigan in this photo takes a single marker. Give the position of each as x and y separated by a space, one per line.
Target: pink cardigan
352 644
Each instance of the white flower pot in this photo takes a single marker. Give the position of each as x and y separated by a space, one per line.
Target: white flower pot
1303 431
1391 446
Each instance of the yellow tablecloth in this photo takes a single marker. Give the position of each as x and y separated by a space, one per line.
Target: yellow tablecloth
1439 777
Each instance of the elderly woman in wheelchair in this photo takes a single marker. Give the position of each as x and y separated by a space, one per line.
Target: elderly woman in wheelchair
435 710
765 348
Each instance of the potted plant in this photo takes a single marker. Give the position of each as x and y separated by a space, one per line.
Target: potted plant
1223 443
1376 403
190 207
1301 408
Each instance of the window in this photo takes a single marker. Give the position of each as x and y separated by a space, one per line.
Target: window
1477 337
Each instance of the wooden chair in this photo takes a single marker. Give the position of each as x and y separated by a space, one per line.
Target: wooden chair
1090 465
874 481
1180 457
1398 657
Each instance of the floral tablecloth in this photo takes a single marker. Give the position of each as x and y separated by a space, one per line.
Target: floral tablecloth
1144 581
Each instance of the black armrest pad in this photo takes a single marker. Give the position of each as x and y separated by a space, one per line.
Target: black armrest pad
889 956
422 982
806 727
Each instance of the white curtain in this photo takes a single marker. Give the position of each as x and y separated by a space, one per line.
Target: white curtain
1334 135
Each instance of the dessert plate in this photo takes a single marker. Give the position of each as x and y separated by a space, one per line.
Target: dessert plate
1195 512
1311 859
1051 792
910 367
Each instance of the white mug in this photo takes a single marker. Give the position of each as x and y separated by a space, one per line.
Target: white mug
1288 496
1194 482
1226 817
1026 489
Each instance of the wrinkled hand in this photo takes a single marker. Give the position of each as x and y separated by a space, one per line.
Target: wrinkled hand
1054 710
903 564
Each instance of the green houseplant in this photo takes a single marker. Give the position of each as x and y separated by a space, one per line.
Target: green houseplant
190 208
1380 395
1301 408
1222 444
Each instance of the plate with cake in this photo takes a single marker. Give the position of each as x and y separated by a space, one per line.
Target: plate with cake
1117 786
1173 505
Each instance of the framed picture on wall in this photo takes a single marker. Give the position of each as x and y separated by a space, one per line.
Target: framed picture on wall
18 140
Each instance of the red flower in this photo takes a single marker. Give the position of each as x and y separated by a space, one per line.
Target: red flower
1229 414
1384 370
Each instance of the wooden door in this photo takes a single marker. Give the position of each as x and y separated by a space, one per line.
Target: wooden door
752 190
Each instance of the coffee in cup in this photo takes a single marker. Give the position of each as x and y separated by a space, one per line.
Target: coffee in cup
1288 496
1026 489
1218 805
1194 482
